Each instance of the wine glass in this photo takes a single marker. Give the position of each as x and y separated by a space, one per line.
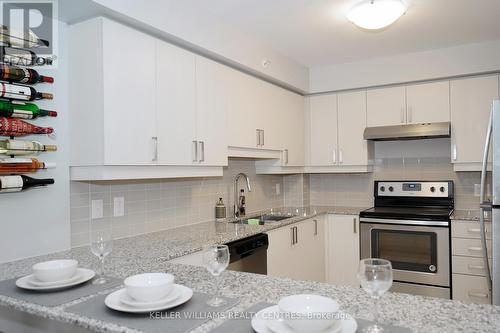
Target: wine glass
216 260
101 244
375 276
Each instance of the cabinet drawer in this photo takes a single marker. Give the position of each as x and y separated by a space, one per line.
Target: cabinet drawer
470 289
469 230
468 247
468 265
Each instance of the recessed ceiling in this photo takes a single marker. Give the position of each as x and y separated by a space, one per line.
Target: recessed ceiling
317 33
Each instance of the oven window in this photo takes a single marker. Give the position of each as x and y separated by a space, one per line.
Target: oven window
406 250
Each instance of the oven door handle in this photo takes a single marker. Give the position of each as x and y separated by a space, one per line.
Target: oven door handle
405 222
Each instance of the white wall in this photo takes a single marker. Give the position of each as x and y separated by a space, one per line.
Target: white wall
183 20
36 222
453 61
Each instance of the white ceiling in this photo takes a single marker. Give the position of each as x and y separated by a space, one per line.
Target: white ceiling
316 32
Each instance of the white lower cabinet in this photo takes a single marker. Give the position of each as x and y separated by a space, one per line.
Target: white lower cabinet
297 251
342 249
469 274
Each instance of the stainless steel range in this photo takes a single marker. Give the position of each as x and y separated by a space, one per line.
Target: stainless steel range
410 226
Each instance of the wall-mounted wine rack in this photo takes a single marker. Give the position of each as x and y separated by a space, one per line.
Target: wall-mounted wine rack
16 96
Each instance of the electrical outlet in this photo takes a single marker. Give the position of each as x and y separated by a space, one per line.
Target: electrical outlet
97 209
278 188
477 190
118 206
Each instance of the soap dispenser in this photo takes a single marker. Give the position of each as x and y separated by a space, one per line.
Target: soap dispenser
220 210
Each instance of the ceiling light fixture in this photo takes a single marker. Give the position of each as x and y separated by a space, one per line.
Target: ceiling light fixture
376 14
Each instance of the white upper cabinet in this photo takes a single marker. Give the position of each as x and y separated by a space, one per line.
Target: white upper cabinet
132 111
428 102
336 124
322 114
471 101
353 149
211 106
386 106
129 116
176 105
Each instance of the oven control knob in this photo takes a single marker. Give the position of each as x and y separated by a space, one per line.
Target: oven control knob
433 189
391 188
441 189
382 188
432 268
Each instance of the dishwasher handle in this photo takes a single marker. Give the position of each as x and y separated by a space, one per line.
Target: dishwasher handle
245 247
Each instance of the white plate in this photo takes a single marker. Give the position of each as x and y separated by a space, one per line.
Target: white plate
33 281
261 325
127 300
112 301
83 273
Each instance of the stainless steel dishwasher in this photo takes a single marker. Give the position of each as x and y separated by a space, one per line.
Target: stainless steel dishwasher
249 254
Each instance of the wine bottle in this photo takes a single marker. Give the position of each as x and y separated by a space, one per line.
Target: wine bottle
16 127
23 165
20 92
19 147
23 110
19 38
22 57
20 183
22 75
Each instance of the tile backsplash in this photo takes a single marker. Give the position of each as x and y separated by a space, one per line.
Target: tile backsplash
153 205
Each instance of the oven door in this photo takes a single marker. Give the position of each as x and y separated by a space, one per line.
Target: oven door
418 254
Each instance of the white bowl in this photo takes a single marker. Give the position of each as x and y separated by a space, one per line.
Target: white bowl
308 313
55 270
149 287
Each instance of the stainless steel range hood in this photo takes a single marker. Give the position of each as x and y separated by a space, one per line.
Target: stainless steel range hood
408 132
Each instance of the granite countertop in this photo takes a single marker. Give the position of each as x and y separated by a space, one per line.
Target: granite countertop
151 252
418 313
468 215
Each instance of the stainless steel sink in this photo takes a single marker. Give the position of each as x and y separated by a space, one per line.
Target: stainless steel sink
263 219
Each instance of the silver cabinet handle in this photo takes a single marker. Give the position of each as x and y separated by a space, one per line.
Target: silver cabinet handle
285 157
334 156
296 235
201 150
263 137
155 151
475 266
454 154
341 156
292 235
195 151
476 230
315 227
257 131
354 226
474 294
474 249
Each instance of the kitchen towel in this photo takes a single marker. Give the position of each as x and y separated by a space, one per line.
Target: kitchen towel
245 325
58 297
181 319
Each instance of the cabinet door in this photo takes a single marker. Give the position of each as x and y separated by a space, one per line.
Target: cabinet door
129 90
323 130
471 101
281 253
245 107
342 249
428 102
386 106
311 241
211 106
353 149
175 104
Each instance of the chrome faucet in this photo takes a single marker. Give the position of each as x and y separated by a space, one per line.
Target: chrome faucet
237 204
